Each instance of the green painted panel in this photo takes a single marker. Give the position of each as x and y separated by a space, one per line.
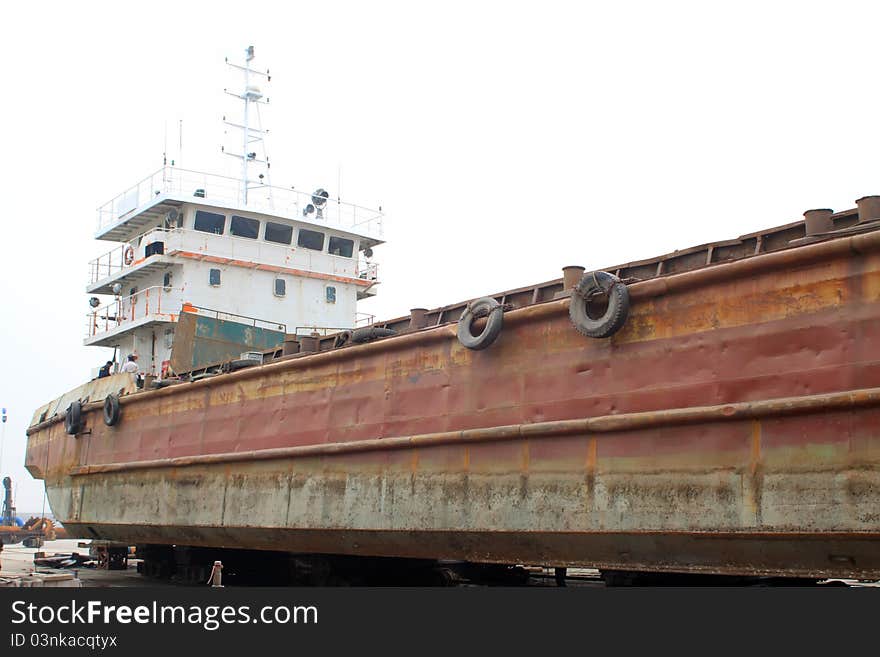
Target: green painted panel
211 340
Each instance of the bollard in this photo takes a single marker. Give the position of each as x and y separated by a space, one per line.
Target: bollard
309 344
290 345
869 208
417 318
571 276
818 221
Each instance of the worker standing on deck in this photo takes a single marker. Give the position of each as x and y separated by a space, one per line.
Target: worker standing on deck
131 365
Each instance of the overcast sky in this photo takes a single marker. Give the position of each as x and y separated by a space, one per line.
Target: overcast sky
503 140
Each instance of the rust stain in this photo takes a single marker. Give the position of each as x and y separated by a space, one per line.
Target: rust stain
592 451
756 446
524 457
729 305
590 474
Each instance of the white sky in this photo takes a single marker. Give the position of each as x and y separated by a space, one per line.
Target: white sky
503 140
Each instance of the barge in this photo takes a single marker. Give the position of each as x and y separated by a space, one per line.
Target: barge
713 410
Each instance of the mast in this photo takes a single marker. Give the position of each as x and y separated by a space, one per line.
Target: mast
252 136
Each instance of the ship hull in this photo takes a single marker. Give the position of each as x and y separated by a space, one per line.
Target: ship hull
732 426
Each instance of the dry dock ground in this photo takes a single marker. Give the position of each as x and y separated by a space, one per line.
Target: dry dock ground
18 560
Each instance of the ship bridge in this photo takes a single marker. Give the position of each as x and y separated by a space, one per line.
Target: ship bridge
283 258
265 259
150 200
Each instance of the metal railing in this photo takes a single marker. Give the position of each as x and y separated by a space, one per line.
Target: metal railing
368 271
256 322
113 261
364 319
313 330
107 264
226 191
155 300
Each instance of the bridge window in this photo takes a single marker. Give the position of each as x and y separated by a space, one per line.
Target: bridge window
214 277
209 222
311 239
278 233
331 294
341 247
244 227
280 287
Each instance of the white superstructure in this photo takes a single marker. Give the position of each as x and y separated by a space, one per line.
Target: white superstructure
237 248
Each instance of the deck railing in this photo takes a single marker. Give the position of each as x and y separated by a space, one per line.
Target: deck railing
107 264
227 192
221 315
155 300
368 271
364 319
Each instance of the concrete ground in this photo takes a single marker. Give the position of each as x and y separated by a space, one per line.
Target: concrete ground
19 560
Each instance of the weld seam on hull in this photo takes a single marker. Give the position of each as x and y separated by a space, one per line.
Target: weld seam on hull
600 424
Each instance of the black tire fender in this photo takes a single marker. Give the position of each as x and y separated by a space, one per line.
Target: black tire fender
369 333
342 339
616 312
73 422
242 363
482 307
111 410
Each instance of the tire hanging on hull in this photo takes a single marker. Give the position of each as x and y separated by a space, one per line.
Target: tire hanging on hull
482 307
112 410
73 418
593 287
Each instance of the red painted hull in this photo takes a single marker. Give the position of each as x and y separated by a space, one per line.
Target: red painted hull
377 448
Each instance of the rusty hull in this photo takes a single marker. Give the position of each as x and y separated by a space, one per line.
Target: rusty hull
732 426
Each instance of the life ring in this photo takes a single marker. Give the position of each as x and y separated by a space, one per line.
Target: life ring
593 288
111 410
128 255
485 306
73 418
